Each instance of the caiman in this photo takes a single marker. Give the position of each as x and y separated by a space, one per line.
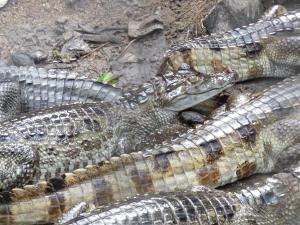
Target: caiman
191 72
47 143
268 48
25 89
232 146
276 201
44 144
50 142
154 104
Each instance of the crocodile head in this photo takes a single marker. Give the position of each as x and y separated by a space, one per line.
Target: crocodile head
179 90
186 88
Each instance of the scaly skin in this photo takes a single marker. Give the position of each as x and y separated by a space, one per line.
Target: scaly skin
275 202
191 72
234 145
48 143
38 88
24 89
268 48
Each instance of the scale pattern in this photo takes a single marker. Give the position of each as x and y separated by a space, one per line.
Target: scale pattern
24 89
203 67
277 201
48 143
250 51
234 145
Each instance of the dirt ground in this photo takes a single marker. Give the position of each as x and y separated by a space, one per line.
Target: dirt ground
52 31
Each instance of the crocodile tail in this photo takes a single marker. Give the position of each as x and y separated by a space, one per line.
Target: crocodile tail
275 202
41 88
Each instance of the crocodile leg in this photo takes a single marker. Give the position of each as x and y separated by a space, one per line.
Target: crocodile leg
279 139
289 157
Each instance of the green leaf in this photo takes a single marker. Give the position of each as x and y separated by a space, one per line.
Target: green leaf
107 78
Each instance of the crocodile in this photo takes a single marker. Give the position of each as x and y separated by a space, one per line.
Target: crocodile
268 48
275 201
38 89
190 73
234 145
35 141
50 142
25 89
50 153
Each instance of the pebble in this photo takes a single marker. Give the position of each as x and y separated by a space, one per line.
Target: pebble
21 59
145 26
192 117
220 18
38 56
3 3
71 3
129 58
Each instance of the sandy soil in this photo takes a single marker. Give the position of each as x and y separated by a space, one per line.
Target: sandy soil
30 25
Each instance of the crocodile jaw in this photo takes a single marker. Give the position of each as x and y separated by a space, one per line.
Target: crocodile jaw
186 101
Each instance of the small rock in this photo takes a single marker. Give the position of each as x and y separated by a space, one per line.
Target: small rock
38 56
62 20
72 3
69 35
102 38
20 58
3 3
129 58
144 26
229 14
76 46
192 117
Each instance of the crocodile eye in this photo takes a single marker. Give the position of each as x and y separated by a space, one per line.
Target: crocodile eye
193 79
172 94
177 92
